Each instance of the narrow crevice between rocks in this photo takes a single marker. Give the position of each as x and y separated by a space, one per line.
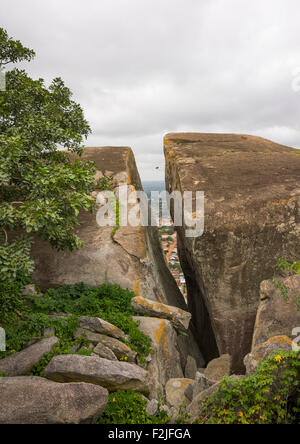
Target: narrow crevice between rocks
202 326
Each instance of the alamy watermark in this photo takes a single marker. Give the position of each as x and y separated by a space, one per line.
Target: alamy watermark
126 206
2 80
2 340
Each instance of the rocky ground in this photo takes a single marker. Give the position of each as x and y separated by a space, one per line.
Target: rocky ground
75 388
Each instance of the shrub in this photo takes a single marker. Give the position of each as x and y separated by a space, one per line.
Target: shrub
108 302
271 396
128 407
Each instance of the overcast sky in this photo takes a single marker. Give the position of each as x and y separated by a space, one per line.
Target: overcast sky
142 68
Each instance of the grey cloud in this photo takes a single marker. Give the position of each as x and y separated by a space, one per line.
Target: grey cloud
143 68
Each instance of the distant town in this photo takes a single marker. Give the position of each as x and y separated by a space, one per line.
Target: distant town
168 240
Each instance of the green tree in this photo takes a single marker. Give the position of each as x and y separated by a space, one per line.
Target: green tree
42 188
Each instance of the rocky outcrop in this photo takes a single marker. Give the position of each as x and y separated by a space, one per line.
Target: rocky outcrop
263 351
94 370
129 256
179 318
252 218
278 312
34 400
165 358
22 362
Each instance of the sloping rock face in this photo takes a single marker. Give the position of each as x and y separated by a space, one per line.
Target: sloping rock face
94 370
165 360
252 218
22 362
179 318
277 312
34 400
131 257
263 351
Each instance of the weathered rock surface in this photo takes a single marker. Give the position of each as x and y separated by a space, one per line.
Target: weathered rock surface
190 368
277 315
34 400
165 361
194 409
252 194
179 318
131 258
188 346
91 336
218 368
120 349
263 351
29 290
22 362
201 384
152 407
109 374
175 392
98 325
104 352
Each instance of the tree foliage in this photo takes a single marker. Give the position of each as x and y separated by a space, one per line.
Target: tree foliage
41 189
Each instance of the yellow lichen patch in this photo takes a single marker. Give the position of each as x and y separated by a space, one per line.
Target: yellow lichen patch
141 241
160 337
151 305
167 142
136 287
280 340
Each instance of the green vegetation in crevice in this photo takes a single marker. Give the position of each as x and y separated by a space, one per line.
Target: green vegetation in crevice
271 396
128 407
117 206
30 315
285 269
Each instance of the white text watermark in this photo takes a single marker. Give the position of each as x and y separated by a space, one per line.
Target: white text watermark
126 206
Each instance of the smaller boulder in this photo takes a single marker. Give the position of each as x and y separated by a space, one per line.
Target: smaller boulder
190 368
189 392
194 409
263 351
98 325
218 368
120 350
29 290
178 317
152 407
201 384
49 331
104 352
175 391
22 362
34 400
94 370
277 315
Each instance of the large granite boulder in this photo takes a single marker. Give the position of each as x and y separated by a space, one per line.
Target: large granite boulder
94 370
278 313
129 256
22 362
252 207
165 357
179 318
34 400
